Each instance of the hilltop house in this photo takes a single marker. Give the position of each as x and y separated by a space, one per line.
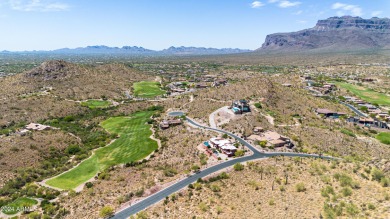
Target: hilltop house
219 82
168 123
224 145
240 106
272 138
329 113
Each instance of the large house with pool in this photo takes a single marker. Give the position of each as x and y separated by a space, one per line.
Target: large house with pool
224 145
240 106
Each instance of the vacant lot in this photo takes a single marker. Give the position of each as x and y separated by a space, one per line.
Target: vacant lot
366 94
132 145
92 104
147 89
19 205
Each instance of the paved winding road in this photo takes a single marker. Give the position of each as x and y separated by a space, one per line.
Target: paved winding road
358 112
153 199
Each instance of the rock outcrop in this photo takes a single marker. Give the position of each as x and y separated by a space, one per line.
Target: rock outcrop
50 70
335 33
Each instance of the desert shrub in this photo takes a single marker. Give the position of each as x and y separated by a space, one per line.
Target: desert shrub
238 167
347 132
89 184
239 153
352 209
385 182
170 172
203 207
106 212
142 215
258 105
327 190
197 186
139 192
377 174
371 206
300 187
215 188
346 191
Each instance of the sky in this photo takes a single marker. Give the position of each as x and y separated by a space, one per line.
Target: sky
159 24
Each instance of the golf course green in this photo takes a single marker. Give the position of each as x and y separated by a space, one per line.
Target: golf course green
20 204
92 104
366 94
147 89
133 144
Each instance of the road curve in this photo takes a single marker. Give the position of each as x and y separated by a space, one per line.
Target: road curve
358 112
155 198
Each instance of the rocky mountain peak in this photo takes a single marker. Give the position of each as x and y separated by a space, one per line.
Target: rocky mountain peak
53 69
335 33
353 22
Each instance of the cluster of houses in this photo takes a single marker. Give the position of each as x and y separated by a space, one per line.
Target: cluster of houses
184 86
170 122
320 89
222 145
381 120
240 106
271 138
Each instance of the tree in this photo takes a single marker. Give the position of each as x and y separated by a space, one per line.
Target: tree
364 109
106 212
73 149
258 105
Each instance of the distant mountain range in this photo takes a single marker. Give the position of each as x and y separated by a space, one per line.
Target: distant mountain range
335 33
135 50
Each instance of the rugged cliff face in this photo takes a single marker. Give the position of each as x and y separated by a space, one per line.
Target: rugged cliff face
335 33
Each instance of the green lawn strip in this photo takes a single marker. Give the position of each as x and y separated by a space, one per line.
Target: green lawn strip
96 104
20 204
147 89
366 94
132 145
384 137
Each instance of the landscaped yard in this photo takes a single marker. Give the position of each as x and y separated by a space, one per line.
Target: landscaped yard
96 104
20 204
147 89
132 145
384 137
366 94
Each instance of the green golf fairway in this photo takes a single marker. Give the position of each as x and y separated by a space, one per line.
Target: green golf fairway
96 104
147 89
18 205
132 145
366 94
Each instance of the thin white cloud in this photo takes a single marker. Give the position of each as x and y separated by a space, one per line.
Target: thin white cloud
298 12
354 10
37 5
287 4
272 1
376 13
301 21
257 4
